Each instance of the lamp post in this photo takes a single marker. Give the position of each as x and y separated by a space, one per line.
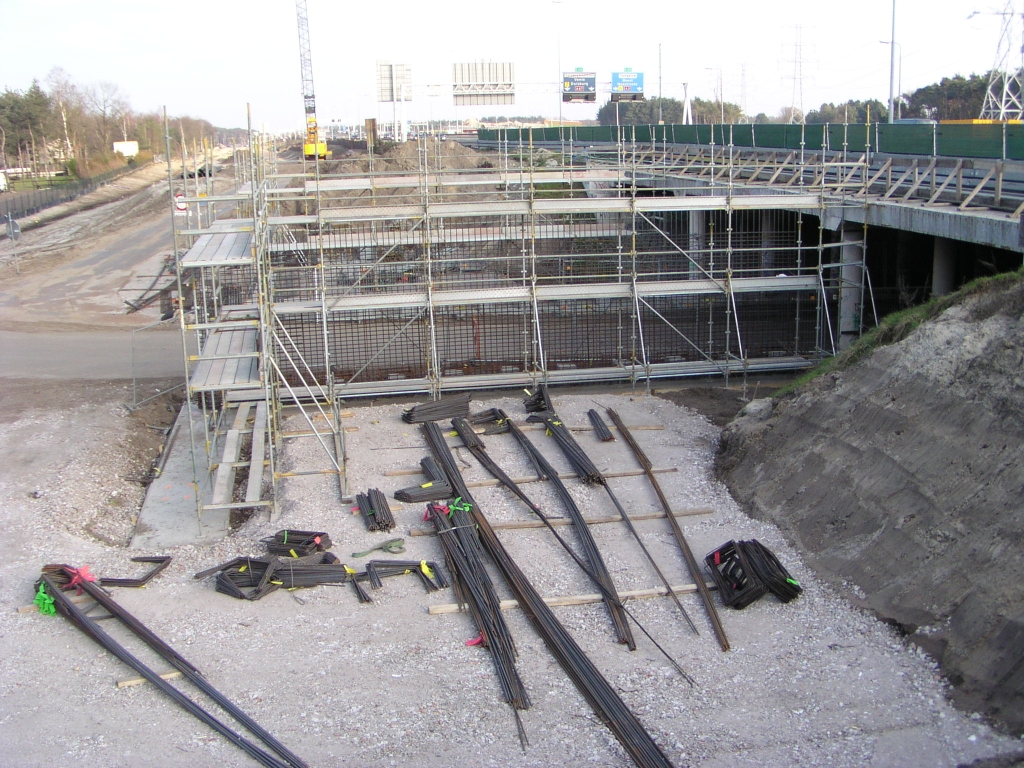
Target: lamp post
721 96
558 28
899 82
892 57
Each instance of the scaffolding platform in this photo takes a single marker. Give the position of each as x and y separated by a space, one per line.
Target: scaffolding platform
219 249
229 360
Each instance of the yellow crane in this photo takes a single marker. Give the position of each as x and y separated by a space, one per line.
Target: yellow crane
313 147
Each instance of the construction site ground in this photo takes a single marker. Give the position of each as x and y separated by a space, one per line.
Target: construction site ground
818 681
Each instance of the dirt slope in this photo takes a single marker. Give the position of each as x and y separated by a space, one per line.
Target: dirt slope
902 481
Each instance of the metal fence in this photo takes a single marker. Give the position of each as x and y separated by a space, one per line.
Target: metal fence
29 202
996 141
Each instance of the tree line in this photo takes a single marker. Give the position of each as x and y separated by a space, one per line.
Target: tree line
952 98
61 127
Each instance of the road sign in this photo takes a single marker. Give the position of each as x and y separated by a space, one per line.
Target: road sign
13 230
627 86
180 206
579 86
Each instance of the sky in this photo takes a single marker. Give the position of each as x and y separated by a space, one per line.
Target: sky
209 58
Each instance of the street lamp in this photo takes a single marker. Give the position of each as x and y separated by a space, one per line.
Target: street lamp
721 96
892 57
899 83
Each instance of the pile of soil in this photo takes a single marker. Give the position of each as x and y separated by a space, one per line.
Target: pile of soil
900 479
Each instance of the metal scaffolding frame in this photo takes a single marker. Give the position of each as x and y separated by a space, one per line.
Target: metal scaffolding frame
444 269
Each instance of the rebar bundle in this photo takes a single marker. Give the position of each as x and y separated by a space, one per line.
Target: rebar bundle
54 580
474 589
480 452
539 400
588 472
436 410
770 571
677 531
592 685
297 543
591 554
745 571
437 486
737 583
375 509
600 428
430 575
381 509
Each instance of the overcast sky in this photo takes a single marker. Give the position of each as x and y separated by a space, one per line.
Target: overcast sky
208 58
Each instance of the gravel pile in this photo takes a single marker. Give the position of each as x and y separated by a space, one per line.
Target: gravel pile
814 682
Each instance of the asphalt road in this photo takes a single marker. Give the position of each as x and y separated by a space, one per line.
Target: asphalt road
90 355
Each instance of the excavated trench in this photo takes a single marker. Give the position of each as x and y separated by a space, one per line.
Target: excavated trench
901 478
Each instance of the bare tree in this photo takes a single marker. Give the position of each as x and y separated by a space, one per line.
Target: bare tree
108 105
69 104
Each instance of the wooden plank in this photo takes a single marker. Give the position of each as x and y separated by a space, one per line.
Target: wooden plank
680 589
254 486
518 524
35 608
140 680
223 479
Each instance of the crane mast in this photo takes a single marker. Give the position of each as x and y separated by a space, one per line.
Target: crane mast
313 147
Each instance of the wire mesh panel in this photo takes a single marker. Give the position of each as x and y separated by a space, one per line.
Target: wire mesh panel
379 344
483 339
683 328
299 348
586 333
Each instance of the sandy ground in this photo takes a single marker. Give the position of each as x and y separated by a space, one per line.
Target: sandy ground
814 682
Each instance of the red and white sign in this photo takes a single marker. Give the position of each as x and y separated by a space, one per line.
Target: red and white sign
179 203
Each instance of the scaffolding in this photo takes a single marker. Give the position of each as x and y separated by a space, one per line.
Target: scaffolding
440 268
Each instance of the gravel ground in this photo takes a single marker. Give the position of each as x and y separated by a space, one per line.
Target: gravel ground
814 682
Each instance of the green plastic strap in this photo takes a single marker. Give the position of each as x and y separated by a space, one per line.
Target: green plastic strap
44 601
391 546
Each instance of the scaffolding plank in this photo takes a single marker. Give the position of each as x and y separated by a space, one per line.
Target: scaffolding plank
464 179
452 235
254 486
223 479
218 248
513 294
624 205
231 364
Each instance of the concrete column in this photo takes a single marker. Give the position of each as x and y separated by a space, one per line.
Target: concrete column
943 266
851 277
697 227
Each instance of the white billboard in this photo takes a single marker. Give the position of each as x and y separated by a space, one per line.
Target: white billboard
394 82
127 148
484 82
